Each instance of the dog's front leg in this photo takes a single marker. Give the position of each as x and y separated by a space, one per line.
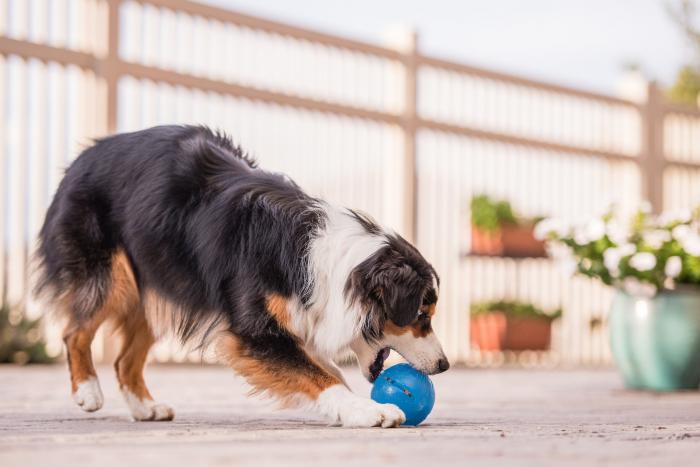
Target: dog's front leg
345 408
279 366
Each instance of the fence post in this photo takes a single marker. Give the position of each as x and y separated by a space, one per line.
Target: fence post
410 117
652 162
109 68
406 42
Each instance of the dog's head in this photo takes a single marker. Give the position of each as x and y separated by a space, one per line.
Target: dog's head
397 290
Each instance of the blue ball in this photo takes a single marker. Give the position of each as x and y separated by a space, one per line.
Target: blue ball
407 388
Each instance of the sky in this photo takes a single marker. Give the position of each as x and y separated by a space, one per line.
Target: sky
581 43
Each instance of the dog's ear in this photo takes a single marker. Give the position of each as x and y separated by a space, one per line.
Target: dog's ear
401 294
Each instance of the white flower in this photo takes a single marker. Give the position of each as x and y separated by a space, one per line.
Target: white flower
580 237
617 233
627 249
643 261
680 232
612 257
691 243
591 231
546 227
681 216
656 238
634 286
564 257
673 268
542 229
595 229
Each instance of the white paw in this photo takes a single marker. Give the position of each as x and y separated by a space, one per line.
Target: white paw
353 411
369 413
88 395
147 409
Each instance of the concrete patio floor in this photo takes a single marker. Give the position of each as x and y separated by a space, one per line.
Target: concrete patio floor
494 417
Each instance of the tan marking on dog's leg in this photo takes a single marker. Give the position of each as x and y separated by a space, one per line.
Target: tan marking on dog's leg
277 306
121 298
137 340
286 383
306 382
85 386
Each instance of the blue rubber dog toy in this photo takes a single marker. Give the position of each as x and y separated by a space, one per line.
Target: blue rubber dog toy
407 388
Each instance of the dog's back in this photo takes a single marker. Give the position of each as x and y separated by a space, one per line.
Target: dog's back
128 194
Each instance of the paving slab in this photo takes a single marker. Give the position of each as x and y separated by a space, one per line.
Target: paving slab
481 417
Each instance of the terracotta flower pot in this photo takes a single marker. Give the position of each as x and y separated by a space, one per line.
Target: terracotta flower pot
519 241
496 331
510 240
488 243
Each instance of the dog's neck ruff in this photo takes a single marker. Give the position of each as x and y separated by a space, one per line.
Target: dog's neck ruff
331 322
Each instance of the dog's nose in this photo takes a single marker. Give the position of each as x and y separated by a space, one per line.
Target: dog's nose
443 365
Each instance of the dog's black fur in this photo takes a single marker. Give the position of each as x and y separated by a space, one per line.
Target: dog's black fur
199 224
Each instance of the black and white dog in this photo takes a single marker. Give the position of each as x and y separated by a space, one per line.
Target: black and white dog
176 228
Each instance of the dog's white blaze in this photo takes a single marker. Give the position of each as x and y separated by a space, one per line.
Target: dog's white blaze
423 353
342 407
336 250
146 409
88 395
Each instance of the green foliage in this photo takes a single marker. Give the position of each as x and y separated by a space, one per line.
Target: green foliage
21 339
687 86
591 260
489 215
515 309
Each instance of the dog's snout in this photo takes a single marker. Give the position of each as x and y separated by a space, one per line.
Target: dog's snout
443 365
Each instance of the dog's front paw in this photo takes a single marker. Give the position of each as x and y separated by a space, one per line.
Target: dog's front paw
350 410
367 413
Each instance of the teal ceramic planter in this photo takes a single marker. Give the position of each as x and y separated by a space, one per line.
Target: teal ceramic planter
656 341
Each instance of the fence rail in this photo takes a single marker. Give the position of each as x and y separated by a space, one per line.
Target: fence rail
405 136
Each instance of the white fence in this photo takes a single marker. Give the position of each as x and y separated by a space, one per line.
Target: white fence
406 137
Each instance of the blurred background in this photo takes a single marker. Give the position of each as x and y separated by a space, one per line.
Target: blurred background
459 124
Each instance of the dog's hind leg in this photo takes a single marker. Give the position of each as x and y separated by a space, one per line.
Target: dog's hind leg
87 305
84 383
137 340
116 297
124 304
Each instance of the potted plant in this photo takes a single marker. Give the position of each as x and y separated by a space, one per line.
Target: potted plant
654 262
496 231
510 325
21 339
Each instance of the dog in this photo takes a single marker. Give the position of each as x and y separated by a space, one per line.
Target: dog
175 228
